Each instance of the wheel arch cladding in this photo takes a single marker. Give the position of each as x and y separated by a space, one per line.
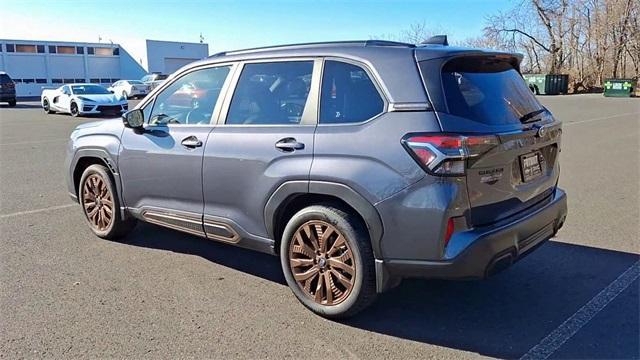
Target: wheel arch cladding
87 157
292 196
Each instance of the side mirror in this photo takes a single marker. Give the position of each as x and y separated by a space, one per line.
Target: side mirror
133 119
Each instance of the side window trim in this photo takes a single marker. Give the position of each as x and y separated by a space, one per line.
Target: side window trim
311 111
217 107
373 76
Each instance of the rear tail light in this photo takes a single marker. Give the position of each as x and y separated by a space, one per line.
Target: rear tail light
446 155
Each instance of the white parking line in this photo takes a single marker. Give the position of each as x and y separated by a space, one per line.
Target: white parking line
28 212
570 327
600 118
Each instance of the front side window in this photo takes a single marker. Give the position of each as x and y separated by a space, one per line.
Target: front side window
271 93
348 94
191 99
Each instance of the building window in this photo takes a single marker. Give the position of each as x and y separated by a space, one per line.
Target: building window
28 81
79 50
40 49
103 51
41 81
116 51
66 50
23 48
10 48
89 50
95 81
52 49
79 80
56 81
68 81
114 80
17 81
105 81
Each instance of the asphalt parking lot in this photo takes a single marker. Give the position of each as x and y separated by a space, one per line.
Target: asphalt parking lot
163 294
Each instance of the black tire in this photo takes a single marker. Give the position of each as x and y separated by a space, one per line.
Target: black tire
46 106
73 108
363 292
12 103
117 227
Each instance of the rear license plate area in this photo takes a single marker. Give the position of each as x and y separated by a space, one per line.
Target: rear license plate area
530 166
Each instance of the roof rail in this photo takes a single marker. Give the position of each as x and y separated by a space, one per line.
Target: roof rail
316 44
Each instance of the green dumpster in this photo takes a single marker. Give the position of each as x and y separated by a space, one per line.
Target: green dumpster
618 87
547 84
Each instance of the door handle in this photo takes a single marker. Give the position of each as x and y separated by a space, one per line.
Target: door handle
289 145
191 142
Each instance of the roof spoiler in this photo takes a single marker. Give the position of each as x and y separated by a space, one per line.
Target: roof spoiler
436 40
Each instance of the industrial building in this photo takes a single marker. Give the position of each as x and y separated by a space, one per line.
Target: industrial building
35 65
166 57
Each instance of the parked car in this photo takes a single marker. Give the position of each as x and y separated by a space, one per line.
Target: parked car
154 79
357 163
7 89
130 88
82 99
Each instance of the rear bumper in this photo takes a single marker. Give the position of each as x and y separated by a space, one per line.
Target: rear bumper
481 252
7 96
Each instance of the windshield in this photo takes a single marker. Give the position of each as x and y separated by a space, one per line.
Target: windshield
487 90
89 90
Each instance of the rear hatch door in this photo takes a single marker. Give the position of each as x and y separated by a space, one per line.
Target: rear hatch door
485 94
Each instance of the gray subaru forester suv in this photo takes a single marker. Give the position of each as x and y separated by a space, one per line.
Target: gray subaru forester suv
357 163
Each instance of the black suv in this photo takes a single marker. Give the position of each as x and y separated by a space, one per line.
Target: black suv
7 89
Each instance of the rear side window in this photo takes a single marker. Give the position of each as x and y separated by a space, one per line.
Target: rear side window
271 93
348 94
487 90
4 79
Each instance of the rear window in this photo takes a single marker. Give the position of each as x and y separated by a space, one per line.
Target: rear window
4 78
487 90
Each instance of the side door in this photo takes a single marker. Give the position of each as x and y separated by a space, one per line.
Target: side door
161 167
264 137
62 100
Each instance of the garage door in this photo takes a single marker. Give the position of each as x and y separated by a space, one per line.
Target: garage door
173 64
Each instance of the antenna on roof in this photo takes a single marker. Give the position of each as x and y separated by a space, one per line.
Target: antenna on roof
436 40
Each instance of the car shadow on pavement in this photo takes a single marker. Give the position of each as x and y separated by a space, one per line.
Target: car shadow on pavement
503 316
22 106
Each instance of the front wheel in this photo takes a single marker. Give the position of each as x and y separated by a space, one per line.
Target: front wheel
100 204
46 106
75 112
327 261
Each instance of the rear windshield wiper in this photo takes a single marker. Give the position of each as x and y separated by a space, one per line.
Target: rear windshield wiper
526 118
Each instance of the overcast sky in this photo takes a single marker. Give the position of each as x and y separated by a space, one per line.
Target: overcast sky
227 25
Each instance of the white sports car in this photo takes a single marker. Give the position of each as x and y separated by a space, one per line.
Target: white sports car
130 88
82 99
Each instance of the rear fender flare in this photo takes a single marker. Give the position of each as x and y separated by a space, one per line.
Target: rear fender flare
366 210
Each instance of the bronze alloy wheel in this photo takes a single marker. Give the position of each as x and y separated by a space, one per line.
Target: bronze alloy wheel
322 262
98 202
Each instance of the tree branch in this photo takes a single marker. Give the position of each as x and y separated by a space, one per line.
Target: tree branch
528 36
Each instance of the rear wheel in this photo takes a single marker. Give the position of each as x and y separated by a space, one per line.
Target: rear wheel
12 103
327 261
101 205
74 110
46 106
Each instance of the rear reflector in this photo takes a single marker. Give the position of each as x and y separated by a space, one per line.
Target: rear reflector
446 154
449 232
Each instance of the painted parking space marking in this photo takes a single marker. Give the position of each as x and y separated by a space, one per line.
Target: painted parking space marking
552 342
601 118
28 212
